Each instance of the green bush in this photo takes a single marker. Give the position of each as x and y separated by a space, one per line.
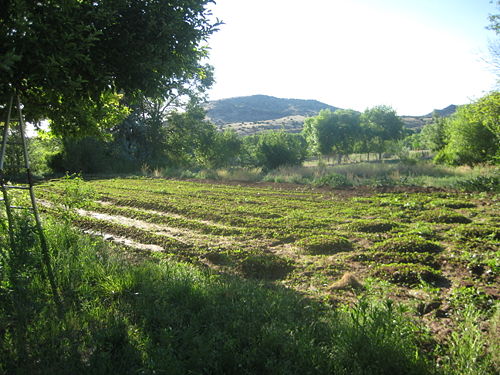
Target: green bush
333 180
480 184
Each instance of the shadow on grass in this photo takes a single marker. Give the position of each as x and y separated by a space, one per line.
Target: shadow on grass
171 318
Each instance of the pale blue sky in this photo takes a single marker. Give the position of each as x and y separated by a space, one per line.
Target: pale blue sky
414 55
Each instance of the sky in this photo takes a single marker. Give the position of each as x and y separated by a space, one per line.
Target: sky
413 55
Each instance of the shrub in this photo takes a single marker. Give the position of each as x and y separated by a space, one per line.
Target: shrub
480 184
407 244
333 180
324 244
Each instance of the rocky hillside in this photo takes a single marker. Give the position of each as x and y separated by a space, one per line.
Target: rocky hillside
252 114
261 108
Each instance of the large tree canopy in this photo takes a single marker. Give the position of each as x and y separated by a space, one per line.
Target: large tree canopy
71 60
332 132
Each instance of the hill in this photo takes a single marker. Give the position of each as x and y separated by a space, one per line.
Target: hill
261 108
252 114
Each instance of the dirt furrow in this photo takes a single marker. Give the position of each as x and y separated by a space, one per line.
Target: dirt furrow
179 234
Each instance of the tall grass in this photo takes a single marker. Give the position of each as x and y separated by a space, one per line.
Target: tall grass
388 173
129 315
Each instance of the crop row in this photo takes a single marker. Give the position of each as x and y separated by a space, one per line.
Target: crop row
366 228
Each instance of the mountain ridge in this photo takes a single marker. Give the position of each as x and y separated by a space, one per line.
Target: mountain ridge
255 113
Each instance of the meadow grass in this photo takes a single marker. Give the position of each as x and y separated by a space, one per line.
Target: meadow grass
375 173
128 315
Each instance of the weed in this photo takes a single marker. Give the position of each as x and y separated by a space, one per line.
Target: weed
479 183
465 352
333 180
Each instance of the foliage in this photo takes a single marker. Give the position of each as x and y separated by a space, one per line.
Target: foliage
433 134
465 353
332 132
333 180
178 140
379 125
69 59
273 149
472 133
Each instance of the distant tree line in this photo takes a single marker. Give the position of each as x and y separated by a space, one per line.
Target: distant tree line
153 137
342 132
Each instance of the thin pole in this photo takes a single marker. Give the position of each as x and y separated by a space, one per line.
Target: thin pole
2 177
43 241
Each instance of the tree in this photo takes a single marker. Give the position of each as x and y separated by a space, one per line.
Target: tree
224 151
434 134
380 124
273 149
332 132
495 44
74 62
472 135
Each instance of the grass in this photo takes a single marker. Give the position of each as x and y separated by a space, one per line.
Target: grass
286 246
377 174
137 316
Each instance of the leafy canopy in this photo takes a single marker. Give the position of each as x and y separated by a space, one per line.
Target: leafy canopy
472 134
72 60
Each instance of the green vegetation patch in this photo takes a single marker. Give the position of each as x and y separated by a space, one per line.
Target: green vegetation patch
445 217
333 180
480 183
407 244
407 274
452 203
265 266
324 244
372 226
467 232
